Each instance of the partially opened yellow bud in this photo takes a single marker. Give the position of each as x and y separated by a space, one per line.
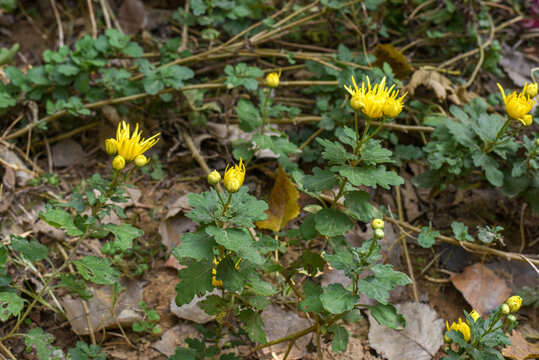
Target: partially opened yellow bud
530 90
514 303
234 177
526 120
118 163
356 103
461 327
111 146
272 80
475 315
141 160
214 178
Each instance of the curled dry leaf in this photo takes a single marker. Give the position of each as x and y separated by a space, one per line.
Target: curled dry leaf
521 349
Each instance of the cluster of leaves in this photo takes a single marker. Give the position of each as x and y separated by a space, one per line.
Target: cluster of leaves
460 146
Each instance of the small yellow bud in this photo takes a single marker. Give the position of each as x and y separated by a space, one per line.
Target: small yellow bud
214 178
504 309
356 103
447 339
272 80
514 303
379 233
118 163
111 146
530 90
526 120
475 315
377 224
141 161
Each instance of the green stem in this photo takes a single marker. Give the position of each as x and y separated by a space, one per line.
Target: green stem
498 136
362 141
219 195
225 207
357 130
376 130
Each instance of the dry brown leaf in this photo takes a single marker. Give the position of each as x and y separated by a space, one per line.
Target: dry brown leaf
481 288
439 84
521 349
283 204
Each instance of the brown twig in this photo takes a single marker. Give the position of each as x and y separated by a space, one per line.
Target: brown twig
92 18
471 246
522 234
59 23
7 352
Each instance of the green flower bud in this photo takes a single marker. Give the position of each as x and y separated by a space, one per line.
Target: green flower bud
504 309
214 178
511 318
379 233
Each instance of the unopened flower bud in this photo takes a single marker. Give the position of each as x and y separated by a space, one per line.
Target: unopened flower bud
526 120
379 233
504 309
377 224
356 103
141 161
214 178
514 303
475 315
111 146
272 80
118 163
511 318
530 90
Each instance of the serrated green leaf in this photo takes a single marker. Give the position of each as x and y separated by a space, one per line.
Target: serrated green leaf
196 280
231 277
253 325
213 304
374 289
83 351
335 152
124 235
75 285
460 230
386 274
312 301
336 299
387 315
97 270
197 245
10 304
332 222
373 153
60 219
369 176
30 249
41 341
340 338
248 114
321 180
427 236
359 205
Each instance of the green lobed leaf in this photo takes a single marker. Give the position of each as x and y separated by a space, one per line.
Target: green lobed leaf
124 235
312 301
30 249
359 205
336 299
248 114
460 230
40 341
373 153
10 304
335 152
197 245
321 180
83 351
253 325
196 280
387 315
75 285
332 222
369 176
97 270
427 236
340 338
374 289
60 219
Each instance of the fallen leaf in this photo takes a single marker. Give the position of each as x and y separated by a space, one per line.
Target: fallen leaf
283 204
66 153
481 288
175 337
132 16
521 349
439 84
421 339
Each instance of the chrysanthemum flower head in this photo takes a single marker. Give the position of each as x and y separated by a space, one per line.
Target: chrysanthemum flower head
517 106
234 177
530 90
375 102
461 327
132 145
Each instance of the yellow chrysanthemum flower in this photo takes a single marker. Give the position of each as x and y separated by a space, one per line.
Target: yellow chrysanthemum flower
129 146
530 90
272 80
514 303
234 177
461 327
517 106
376 101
